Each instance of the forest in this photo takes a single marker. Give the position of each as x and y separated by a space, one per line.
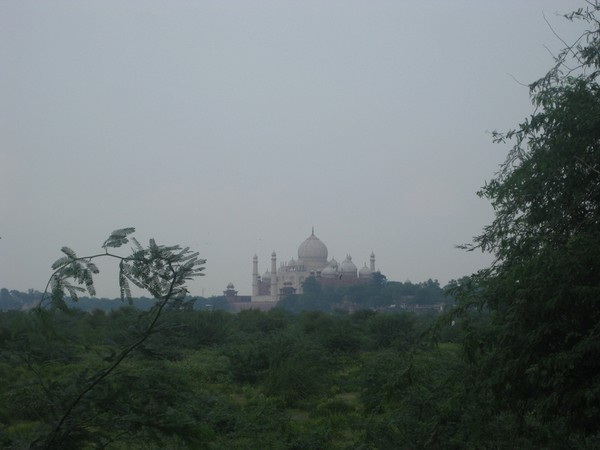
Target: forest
254 380
513 363
211 379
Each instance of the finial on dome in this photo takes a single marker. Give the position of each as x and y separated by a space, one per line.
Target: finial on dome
313 231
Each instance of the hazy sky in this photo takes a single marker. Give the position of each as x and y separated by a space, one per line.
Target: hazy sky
233 127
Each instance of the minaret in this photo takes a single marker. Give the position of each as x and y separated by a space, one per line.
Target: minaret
372 262
274 277
255 276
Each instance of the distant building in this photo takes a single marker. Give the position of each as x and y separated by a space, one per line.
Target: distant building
312 260
231 295
239 303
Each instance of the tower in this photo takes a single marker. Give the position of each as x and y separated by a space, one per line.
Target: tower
255 276
274 276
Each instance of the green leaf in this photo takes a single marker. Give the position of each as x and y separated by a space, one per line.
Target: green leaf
70 253
118 238
136 245
61 262
92 267
72 290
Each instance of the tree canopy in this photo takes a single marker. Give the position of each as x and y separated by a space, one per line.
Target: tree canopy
540 354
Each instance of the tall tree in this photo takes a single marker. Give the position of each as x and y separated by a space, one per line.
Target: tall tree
541 354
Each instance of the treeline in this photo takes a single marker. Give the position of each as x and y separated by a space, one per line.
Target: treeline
379 294
14 299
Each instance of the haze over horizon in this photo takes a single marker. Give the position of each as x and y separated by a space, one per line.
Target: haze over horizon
235 127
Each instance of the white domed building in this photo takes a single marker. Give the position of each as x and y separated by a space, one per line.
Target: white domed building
312 261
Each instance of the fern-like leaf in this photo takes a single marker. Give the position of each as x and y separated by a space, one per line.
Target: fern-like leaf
124 272
137 247
61 262
70 253
86 277
125 289
118 238
72 290
92 267
58 294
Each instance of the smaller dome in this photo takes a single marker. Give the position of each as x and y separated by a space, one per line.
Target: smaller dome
329 272
333 263
230 285
292 262
364 272
348 267
266 276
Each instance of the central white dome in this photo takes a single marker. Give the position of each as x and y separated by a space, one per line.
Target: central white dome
312 252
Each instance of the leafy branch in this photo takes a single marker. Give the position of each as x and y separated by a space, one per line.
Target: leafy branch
161 270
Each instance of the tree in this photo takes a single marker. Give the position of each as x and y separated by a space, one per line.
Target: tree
541 352
161 270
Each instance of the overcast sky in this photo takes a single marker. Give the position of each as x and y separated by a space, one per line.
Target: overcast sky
234 127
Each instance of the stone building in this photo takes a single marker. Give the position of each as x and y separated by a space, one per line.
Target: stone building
312 261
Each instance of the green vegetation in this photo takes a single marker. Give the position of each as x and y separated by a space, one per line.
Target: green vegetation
536 356
515 364
378 294
210 379
73 411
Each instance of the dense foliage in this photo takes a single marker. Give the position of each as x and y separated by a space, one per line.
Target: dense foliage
538 357
210 379
379 294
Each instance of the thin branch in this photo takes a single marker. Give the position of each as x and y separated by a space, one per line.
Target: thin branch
517 81
554 32
593 169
